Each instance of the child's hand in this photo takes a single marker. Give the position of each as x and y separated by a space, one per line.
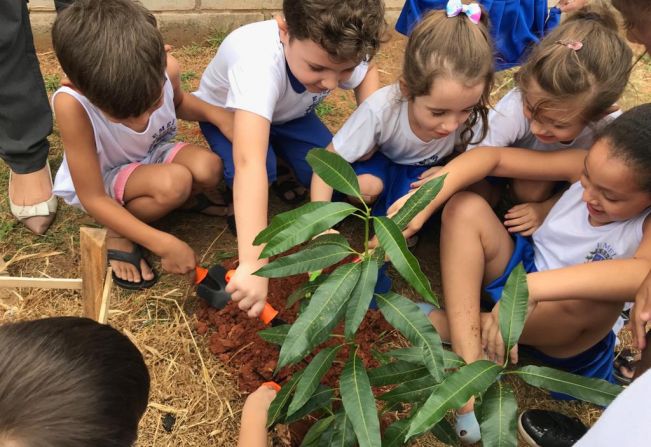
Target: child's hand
253 432
525 218
248 290
177 256
260 399
426 176
641 312
491 338
571 5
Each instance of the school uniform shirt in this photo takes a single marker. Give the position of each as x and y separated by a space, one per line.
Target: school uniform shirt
567 238
382 120
249 72
117 144
508 127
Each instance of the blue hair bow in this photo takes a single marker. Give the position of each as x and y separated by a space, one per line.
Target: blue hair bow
472 11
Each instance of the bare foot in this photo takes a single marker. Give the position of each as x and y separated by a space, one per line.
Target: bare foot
32 188
125 270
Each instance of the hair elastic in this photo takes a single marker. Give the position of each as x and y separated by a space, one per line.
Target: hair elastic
575 45
472 11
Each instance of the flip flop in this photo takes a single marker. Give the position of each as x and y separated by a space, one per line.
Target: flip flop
624 359
286 184
202 203
134 257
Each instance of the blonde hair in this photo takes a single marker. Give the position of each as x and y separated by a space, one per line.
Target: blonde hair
455 48
583 61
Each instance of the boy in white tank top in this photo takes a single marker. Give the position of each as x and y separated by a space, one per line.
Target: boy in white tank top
117 118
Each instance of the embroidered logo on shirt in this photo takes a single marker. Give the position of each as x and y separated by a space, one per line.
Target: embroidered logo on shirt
602 252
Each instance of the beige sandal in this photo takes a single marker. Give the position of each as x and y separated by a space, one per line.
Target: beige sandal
37 217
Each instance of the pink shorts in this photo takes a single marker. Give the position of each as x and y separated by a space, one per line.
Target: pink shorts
116 179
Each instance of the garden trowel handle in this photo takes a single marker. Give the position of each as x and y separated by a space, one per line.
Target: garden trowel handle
268 313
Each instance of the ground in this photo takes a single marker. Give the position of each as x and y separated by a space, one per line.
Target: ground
188 382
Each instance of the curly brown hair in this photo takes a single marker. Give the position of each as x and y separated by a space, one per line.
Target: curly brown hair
593 76
113 53
348 30
454 48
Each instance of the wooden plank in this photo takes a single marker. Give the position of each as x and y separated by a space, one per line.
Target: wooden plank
92 243
106 297
41 283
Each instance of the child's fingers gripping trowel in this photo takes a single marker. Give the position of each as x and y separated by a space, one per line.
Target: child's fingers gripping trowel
211 286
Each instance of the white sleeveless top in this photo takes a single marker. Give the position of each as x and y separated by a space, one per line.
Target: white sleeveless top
117 144
567 238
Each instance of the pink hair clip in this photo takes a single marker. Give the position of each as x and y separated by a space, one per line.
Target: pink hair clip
575 45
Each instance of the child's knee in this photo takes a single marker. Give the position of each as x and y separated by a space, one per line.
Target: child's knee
174 185
370 186
528 191
208 171
463 206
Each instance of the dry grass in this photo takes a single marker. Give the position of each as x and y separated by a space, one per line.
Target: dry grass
188 382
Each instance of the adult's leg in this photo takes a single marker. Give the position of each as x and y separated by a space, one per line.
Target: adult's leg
25 116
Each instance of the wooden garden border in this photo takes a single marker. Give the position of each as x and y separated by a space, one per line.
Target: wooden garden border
96 278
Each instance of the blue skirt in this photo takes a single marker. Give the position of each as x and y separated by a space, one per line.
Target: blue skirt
516 25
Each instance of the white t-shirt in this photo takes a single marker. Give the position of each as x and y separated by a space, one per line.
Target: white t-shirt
117 144
382 120
566 237
508 127
625 423
249 72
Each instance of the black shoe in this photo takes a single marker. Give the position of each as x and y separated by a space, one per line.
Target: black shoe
542 428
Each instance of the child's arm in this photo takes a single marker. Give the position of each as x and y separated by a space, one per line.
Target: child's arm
253 427
472 166
250 193
615 280
190 108
320 191
369 84
79 145
641 312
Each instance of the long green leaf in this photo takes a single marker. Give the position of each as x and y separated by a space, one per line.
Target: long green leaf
334 170
454 392
339 434
305 290
329 239
322 398
394 435
306 260
359 403
361 297
313 435
415 355
396 372
306 226
412 391
275 334
324 310
405 316
281 221
498 416
419 200
311 377
513 307
278 406
597 391
402 259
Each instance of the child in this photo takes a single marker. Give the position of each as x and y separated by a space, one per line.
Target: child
117 118
603 216
637 20
273 74
566 91
69 382
516 25
404 128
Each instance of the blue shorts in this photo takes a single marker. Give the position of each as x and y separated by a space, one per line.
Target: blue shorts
290 141
596 362
396 178
516 25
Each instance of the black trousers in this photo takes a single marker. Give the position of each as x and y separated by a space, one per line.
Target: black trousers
25 115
